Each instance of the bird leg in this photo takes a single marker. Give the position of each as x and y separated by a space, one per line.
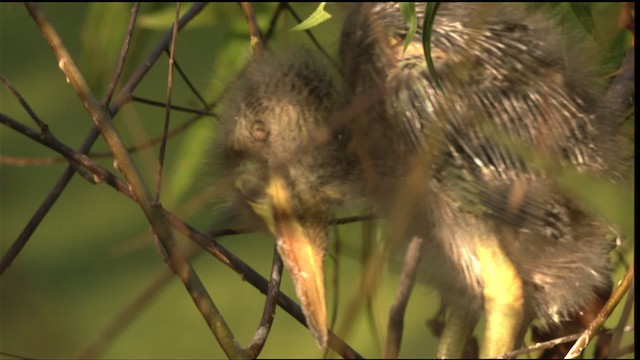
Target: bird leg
457 331
503 299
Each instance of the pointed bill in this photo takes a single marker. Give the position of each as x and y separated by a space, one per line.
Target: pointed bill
303 257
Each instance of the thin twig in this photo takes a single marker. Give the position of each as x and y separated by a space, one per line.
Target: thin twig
204 241
152 210
616 338
167 113
22 161
201 112
272 23
602 316
190 85
135 148
260 337
123 54
396 313
125 94
254 30
43 126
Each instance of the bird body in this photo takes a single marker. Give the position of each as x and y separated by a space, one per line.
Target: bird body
500 234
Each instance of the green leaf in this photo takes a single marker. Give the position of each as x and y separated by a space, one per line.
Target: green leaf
102 37
319 16
582 12
408 10
427 29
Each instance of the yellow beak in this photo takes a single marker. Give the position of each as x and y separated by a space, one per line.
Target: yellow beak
303 256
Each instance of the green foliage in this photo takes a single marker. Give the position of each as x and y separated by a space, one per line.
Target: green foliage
102 36
316 18
408 10
427 29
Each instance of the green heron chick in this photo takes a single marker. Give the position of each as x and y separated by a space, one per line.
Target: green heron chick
288 163
500 236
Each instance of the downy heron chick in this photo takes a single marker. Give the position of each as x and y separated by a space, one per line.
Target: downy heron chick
501 237
289 163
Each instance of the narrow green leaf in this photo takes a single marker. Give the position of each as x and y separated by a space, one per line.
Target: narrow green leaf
427 29
102 35
319 16
408 10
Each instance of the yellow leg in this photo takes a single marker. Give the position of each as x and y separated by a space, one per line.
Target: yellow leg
458 328
503 300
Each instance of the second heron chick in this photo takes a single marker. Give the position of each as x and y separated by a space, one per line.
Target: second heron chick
280 143
502 237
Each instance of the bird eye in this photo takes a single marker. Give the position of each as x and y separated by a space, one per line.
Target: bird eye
259 131
251 188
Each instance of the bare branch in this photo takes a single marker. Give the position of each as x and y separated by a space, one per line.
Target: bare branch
192 87
123 54
167 113
274 19
125 94
43 126
260 337
614 348
602 316
201 112
396 313
254 30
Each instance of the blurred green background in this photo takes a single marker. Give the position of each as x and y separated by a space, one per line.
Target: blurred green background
93 253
